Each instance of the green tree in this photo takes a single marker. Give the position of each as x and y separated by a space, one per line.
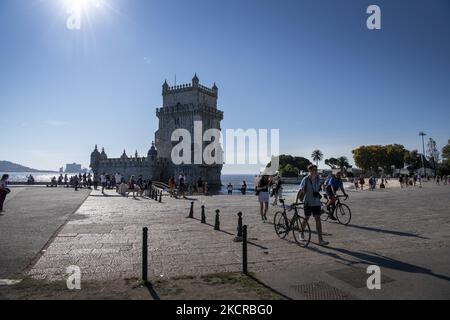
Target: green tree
395 157
298 163
343 164
332 163
433 154
413 160
370 158
446 152
317 156
289 171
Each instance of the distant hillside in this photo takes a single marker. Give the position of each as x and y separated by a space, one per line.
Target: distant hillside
6 166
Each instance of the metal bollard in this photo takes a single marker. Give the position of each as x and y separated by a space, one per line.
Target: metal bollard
144 254
156 194
217 223
191 211
203 215
160 196
244 250
238 238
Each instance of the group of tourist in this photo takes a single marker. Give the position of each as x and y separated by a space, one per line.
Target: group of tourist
243 188
360 182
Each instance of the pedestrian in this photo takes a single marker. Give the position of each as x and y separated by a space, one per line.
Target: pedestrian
4 191
182 187
230 188
244 188
172 186
277 189
132 186
200 185
103 181
118 179
75 182
362 181
400 180
262 191
356 183
309 193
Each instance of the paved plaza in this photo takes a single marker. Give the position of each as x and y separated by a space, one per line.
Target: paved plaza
404 232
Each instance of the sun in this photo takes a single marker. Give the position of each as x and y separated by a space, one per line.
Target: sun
81 5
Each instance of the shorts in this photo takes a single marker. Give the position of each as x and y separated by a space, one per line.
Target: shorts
315 211
263 196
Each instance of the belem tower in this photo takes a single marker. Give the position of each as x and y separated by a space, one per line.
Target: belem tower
182 105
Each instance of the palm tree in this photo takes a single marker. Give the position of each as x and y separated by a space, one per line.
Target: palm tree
343 163
317 155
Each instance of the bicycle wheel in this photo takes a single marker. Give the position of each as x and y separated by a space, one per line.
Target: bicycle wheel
301 231
281 224
324 216
343 214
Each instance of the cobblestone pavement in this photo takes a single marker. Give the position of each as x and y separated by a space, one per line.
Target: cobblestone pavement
104 237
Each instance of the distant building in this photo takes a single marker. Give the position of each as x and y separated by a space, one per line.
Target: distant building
182 106
73 168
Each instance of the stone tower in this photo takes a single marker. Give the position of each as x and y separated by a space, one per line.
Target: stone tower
182 105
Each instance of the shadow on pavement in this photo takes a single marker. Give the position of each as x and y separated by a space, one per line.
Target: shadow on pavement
396 233
152 291
373 258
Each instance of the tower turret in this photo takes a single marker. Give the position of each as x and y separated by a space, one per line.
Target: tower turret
152 153
103 155
124 155
95 160
195 81
165 87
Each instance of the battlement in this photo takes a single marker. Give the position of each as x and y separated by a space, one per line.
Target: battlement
140 161
181 108
194 85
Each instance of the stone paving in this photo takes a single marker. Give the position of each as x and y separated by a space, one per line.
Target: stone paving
104 239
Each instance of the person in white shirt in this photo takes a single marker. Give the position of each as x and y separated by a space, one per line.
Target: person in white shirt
118 179
103 181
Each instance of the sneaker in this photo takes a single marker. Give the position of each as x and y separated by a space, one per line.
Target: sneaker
332 217
323 243
302 239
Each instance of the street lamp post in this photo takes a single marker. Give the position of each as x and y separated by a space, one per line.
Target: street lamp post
423 134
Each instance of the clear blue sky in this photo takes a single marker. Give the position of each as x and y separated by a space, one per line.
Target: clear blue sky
310 68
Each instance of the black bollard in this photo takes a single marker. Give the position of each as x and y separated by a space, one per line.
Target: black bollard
156 194
160 196
144 254
217 223
238 238
203 215
191 211
244 250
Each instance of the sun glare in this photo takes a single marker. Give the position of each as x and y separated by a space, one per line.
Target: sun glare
82 5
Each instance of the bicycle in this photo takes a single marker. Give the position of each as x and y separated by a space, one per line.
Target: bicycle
341 211
298 225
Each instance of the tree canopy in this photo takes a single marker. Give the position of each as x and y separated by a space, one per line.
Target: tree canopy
374 157
291 166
